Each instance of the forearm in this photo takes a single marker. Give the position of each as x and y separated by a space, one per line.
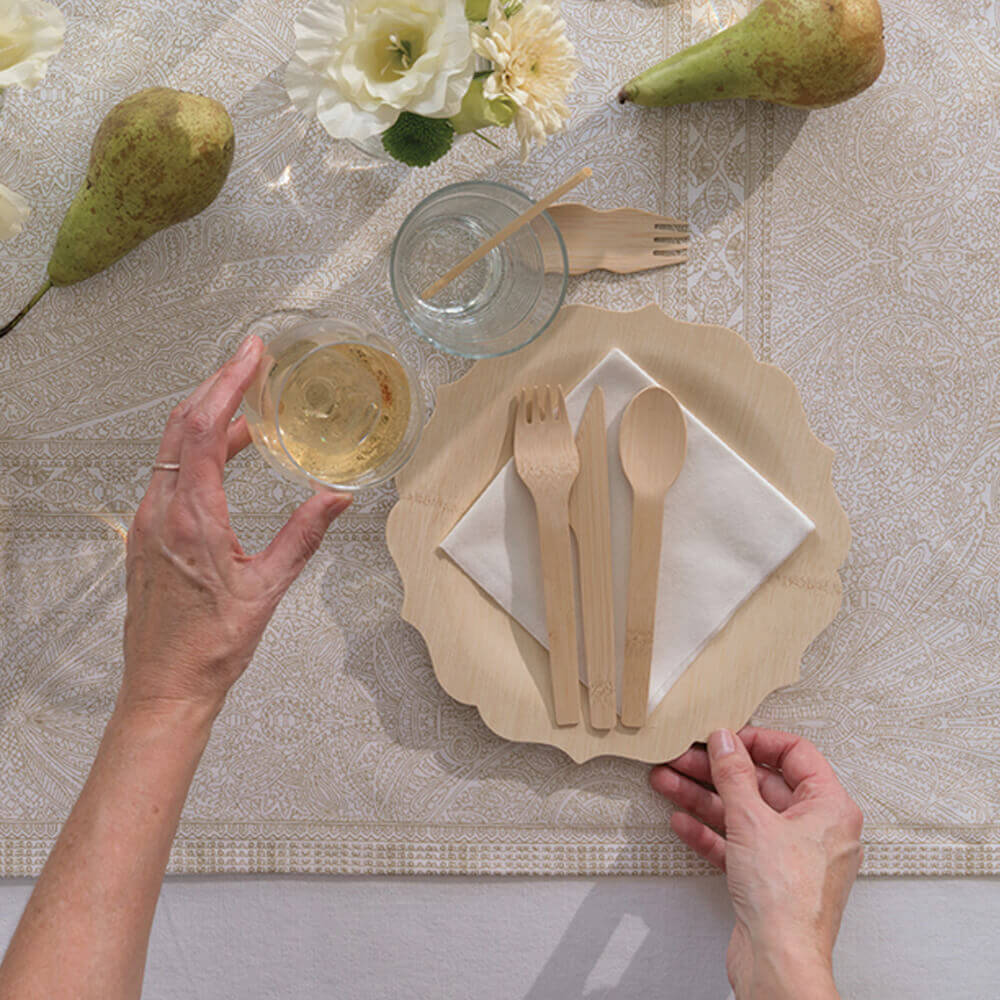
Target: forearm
85 930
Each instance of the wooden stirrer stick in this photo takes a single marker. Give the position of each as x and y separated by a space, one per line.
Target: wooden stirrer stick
522 220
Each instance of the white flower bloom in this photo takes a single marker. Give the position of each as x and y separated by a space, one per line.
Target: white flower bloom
31 33
534 64
13 211
359 63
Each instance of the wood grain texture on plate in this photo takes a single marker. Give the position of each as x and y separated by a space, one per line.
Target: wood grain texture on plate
482 657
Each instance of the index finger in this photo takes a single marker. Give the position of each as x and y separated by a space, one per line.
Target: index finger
774 789
225 392
794 756
204 445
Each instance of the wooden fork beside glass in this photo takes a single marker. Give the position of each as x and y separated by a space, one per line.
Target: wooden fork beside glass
624 240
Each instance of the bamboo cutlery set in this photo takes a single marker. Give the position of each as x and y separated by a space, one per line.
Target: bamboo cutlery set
568 480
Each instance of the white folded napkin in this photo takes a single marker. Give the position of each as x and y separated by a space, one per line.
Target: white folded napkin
725 531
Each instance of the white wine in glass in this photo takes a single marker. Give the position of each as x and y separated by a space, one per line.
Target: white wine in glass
334 405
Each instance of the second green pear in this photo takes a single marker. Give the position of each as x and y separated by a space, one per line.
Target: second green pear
159 157
804 53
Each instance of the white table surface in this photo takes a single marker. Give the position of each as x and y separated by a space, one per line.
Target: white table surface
235 938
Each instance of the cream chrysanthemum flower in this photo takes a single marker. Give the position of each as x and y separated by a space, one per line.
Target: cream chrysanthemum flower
31 33
534 64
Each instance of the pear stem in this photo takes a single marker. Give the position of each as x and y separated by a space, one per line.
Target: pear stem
24 312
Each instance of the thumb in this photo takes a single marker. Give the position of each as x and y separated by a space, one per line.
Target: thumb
301 536
733 772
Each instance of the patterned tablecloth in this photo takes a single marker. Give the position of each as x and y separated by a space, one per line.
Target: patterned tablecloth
855 247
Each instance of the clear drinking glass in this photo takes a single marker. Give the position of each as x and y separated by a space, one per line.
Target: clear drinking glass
501 303
332 403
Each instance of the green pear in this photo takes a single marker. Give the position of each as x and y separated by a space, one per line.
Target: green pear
159 157
804 53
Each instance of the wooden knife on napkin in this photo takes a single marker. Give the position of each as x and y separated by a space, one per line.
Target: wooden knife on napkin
590 519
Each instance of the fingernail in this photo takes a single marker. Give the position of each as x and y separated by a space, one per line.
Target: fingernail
721 743
337 503
245 348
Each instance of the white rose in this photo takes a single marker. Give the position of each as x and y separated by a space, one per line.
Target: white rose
13 211
358 64
31 33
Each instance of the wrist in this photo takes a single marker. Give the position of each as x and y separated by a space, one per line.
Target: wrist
186 716
790 969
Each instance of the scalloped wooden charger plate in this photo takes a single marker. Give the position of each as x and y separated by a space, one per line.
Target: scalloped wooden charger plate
482 657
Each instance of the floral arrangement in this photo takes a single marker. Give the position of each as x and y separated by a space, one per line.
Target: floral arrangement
416 73
31 33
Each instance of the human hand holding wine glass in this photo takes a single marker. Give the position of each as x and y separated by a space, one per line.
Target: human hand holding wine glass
197 607
197 603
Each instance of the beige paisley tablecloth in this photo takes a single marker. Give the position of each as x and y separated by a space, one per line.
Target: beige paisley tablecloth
855 247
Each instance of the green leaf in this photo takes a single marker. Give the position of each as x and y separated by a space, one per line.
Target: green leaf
477 10
418 141
478 111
